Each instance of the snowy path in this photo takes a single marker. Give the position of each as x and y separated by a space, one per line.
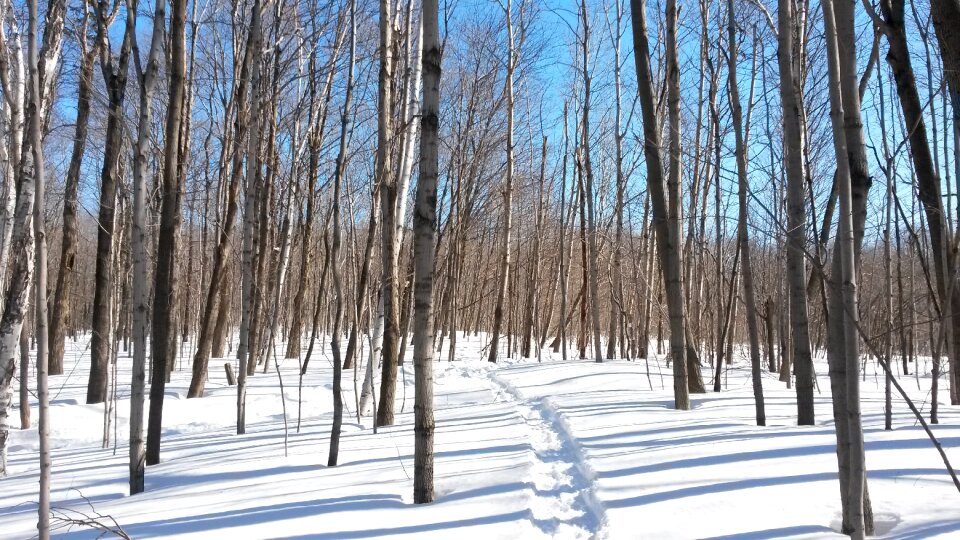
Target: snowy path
566 503
555 450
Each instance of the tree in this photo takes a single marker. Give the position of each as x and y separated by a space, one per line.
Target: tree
115 79
249 214
503 274
588 188
29 171
928 178
60 308
40 265
793 149
140 236
338 175
666 219
163 328
743 234
388 224
425 219
846 384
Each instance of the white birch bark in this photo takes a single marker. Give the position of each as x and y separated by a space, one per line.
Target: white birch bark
139 238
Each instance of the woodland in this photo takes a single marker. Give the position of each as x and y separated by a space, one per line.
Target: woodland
223 220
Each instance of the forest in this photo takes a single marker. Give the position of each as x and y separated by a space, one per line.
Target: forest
629 258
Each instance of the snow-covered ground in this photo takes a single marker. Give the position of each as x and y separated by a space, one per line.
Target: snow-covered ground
523 450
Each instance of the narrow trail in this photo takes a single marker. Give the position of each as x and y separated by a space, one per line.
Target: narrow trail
565 503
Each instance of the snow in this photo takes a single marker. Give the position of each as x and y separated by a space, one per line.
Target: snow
524 449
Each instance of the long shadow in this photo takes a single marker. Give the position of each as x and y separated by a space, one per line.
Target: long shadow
772 534
174 480
774 453
426 527
263 514
736 485
928 530
211 523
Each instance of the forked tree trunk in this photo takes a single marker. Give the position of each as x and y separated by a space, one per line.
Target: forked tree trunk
665 217
843 344
115 79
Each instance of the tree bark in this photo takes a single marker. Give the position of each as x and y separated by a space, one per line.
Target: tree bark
743 236
115 79
844 353
249 216
793 149
164 306
388 211
425 219
40 264
665 217
60 308
140 237
335 249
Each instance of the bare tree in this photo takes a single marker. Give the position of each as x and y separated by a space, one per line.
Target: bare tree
40 266
163 328
338 175
852 473
503 274
60 308
743 234
139 237
115 78
425 219
666 219
388 225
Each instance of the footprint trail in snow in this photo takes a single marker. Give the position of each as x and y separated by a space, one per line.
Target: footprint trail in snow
564 503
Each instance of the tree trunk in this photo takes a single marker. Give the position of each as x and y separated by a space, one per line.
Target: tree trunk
40 264
60 311
844 353
115 80
249 216
503 275
338 175
425 219
793 148
139 237
388 211
665 217
222 253
928 178
164 306
743 236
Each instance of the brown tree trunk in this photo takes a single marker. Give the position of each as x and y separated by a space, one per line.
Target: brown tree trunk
164 306
665 213
115 79
60 304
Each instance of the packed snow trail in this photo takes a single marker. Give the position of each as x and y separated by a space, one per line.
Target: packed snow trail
566 504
